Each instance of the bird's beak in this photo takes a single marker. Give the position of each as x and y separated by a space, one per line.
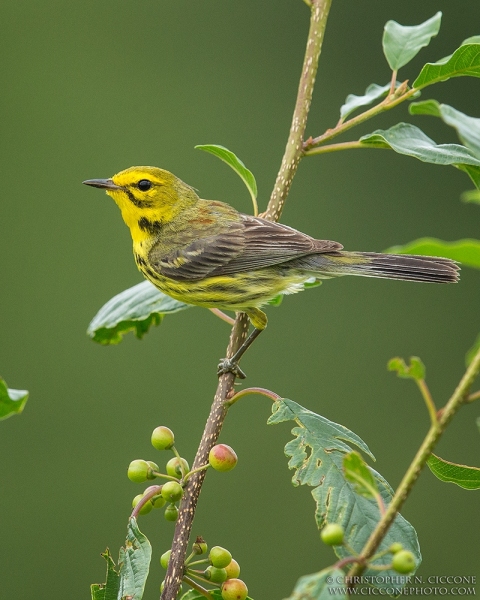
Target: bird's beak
106 184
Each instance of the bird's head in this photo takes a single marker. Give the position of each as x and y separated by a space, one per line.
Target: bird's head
147 195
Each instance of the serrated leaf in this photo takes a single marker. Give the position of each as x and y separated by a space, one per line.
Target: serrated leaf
134 563
12 402
466 477
473 351
316 454
465 251
401 43
415 370
468 128
372 93
135 309
109 589
357 472
465 61
324 585
411 141
237 165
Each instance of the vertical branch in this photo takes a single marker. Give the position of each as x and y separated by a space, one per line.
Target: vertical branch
225 388
293 150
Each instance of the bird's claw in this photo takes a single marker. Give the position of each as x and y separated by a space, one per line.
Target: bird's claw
226 365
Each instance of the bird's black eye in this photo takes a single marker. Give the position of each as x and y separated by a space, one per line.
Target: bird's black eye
144 185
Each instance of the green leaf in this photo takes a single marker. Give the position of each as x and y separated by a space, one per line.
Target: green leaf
466 477
401 43
372 93
468 128
465 61
134 563
465 251
473 351
109 589
357 472
471 196
135 309
237 165
415 370
320 586
316 454
12 402
411 141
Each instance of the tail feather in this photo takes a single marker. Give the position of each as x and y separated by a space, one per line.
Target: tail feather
407 267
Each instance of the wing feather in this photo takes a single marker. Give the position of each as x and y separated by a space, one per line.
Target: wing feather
249 244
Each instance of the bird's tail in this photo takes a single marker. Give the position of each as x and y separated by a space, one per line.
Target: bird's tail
429 269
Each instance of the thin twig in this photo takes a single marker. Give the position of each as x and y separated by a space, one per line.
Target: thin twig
343 146
458 398
225 388
473 397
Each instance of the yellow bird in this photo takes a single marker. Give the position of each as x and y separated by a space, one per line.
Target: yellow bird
206 253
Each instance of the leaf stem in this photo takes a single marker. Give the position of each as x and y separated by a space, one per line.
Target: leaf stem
253 390
196 586
145 498
427 396
342 146
458 398
221 315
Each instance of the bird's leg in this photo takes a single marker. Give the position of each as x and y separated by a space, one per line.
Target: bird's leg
230 365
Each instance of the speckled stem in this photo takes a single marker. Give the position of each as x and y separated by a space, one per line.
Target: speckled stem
294 148
225 389
458 398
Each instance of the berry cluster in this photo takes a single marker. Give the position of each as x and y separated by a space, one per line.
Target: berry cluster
221 458
222 570
403 561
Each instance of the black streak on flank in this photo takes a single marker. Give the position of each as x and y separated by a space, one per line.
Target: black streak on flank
138 203
153 227
139 260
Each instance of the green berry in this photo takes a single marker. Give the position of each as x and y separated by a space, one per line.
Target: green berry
165 558
173 467
200 546
138 471
232 569
153 467
172 491
171 512
219 557
234 589
158 501
332 534
162 438
395 547
146 508
403 562
222 458
215 575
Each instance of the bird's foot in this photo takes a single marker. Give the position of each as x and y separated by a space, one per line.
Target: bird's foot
227 365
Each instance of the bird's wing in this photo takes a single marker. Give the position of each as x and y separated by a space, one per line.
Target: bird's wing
252 243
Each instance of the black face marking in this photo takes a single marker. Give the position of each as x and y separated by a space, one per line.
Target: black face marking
138 203
152 227
144 185
139 260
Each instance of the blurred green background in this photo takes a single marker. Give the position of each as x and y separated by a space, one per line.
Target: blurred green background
92 87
